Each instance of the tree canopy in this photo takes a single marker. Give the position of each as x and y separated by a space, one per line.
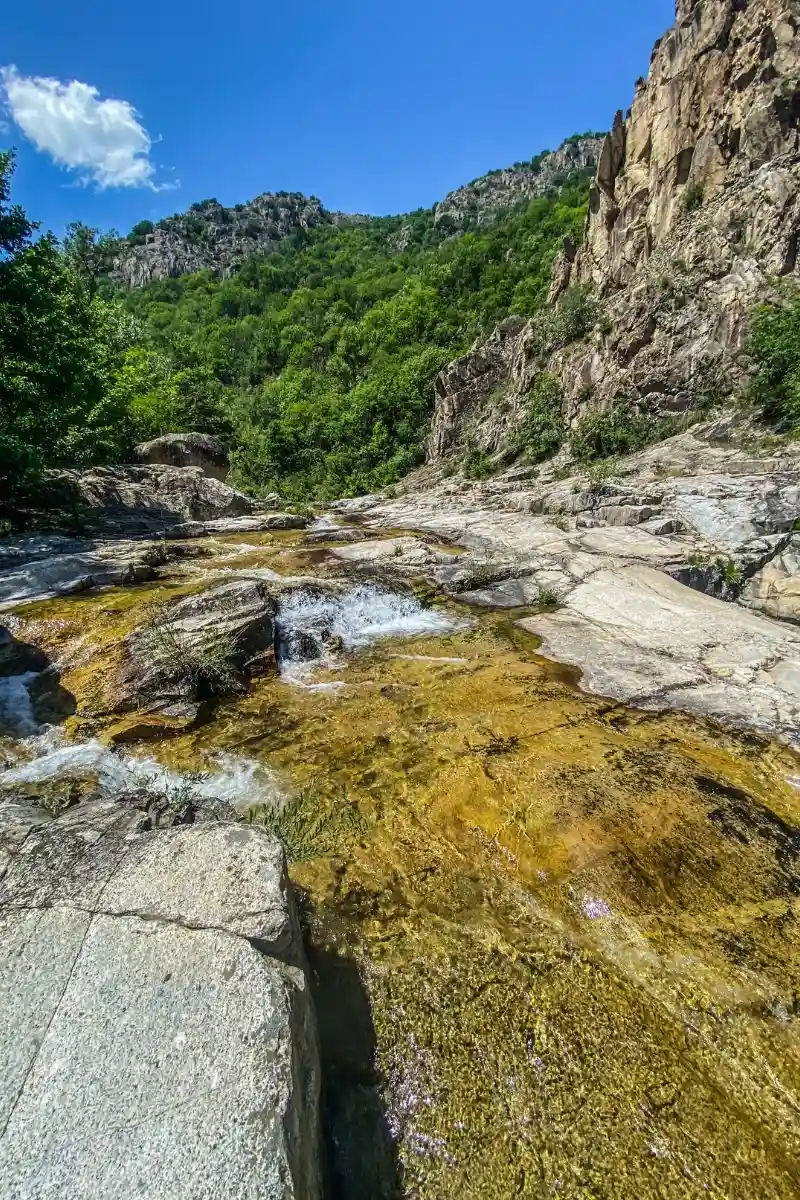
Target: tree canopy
316 363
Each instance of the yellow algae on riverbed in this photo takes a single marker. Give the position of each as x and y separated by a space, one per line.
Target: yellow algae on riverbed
577 924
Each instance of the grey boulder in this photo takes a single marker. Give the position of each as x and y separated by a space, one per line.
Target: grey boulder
187 450
200 647
156 1031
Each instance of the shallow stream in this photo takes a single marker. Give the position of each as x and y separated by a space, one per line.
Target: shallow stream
558 952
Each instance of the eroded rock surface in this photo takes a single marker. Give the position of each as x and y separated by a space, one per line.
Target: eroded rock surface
38 568
148 498
187 450
156 1031
655 576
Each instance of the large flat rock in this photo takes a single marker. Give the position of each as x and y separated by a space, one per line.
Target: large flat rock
638 635
626 617
156 1031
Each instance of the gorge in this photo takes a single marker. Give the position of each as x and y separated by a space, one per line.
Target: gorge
430 831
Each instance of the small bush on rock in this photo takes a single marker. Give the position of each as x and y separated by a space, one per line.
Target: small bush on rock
204 671
621 429
477 465
692 197
543 430
774 346
557 326
547 600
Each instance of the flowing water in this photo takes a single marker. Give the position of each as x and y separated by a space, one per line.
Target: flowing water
560 954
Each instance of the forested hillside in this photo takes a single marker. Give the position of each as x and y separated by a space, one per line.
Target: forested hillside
315 363
318 362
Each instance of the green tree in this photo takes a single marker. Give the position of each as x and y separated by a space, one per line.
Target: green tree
774 346
59 347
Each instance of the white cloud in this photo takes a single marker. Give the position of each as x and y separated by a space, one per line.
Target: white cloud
103 140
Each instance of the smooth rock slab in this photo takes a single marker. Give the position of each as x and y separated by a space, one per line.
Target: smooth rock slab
148 1046
639 636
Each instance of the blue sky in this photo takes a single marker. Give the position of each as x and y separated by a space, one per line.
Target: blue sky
372 107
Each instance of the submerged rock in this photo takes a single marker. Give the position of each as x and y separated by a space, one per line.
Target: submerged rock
187 450
159 1036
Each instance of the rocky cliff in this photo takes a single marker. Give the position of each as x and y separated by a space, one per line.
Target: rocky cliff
480 203
694 218
212 237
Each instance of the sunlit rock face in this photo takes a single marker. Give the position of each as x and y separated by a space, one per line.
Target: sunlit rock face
694 218
187 450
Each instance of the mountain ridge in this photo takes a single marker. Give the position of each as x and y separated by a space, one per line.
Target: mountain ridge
212 236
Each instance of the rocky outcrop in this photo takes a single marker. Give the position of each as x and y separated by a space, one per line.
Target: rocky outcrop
212 237
39 568
157 1035
775 589
130 499
694 216
695 210
187 450
481 202
197 649
467 388
647 582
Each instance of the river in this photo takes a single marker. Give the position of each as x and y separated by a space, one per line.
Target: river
555 941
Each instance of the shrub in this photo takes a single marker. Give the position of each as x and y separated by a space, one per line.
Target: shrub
140 231
731 573
547 600
543 430
477 464
774 346
602 471
571 319
203 671
621 429
692 197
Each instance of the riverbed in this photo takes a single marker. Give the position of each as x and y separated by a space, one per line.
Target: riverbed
555 940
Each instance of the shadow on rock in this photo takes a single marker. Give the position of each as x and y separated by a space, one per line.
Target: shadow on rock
362 1158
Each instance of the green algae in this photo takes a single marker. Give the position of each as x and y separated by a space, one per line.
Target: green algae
576 923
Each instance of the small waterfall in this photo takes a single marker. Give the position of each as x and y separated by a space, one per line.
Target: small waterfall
238 780
311 628
16 709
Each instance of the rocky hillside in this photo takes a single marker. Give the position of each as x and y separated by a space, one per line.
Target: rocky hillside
694 218
212 237
481 202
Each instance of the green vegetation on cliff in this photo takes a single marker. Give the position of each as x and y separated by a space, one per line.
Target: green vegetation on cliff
315 363
322 356
775 350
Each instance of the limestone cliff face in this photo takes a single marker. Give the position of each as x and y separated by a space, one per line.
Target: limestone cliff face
694 215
